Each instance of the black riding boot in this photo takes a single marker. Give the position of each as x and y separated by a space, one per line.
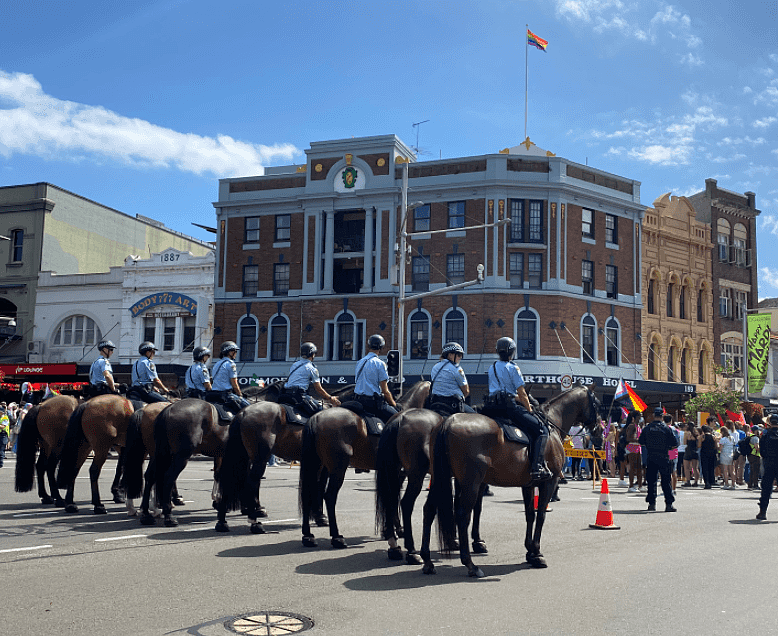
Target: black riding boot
540 471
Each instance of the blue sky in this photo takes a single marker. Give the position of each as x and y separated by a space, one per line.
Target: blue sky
142 106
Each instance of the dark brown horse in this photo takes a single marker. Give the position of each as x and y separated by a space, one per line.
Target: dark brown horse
43 428
336 439
96 425
471 448
181 429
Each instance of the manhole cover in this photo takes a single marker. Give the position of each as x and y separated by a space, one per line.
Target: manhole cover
269 624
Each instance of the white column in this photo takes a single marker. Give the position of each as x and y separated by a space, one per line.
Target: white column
329 251
367 285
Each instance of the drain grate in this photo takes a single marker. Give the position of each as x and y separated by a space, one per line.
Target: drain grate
269 624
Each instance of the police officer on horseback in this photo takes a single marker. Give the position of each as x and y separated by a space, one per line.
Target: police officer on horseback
198 380
449 387
372 382
145 380
224 385
303 375
508 395
101 373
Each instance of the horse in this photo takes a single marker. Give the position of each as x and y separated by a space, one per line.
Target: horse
97 425
336 439
403 451
471 448
258 431
43 428
181 429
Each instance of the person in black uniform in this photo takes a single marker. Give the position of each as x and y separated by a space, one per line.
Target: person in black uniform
658 440
768 449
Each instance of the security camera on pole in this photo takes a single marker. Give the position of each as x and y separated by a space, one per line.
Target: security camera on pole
403 254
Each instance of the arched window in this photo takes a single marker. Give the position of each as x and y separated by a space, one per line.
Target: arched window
588 339
345 337
419 335
686 355
76 331
248 338
612 346
739 238
682 302
526 335
651 299
701 305
672 354
722 227
455 327
279 330
670 294
653 361
702 368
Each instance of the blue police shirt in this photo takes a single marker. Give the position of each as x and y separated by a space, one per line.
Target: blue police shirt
197 375
371 371
223 371
448 379
96 371
143 372
301 375
504 376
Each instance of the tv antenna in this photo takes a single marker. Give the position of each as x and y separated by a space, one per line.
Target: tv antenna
417 125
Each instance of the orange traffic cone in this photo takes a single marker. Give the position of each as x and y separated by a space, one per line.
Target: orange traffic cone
604 519
535 502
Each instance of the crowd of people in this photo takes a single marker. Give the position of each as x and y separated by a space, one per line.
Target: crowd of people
11 417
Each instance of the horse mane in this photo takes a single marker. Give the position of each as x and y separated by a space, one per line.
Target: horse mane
412 393
259 393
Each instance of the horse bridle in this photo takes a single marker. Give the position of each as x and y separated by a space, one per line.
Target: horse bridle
593 402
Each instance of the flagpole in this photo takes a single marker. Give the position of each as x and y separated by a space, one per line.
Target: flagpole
526 79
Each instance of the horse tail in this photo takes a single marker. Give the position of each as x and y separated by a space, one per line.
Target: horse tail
234 470
74 437
132 479
26 445
163 455
387 476
310 463
440 490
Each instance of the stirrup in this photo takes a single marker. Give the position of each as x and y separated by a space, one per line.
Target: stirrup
541 473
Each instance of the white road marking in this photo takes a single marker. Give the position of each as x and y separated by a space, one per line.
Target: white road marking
35 547
35 514
127 536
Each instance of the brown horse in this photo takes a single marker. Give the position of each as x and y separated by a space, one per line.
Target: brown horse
336 439
97 425
471 448
43 428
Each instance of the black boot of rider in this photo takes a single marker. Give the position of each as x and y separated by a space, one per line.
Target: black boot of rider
539 471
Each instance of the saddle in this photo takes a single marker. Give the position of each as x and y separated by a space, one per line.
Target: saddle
375 425
511 432
293 416
224 415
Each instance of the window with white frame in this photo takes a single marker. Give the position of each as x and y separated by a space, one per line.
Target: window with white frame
251 230
526 335
419 335
455 327
536 221
739 305
345 337
587 223
248 338
455 269
612 229
517 220
168 334
723 231
612 281
149 329
456 215
612 342
76 331
279 329
732 354
516 269
588 339
535 270
421 218
420 273
725 302
587 277
283 227
740 235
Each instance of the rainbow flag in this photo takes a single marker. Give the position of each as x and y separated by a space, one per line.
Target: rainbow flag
639 404
536 41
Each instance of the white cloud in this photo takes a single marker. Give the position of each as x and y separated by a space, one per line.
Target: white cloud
765 122
729 141
774 57
691 60
34 123
728 158
768 276
769 224
662 155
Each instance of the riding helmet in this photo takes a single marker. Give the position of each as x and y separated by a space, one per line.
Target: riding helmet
774 419
452 347
147 346
308 349
376 341
228 346
506 348
106 344
200 352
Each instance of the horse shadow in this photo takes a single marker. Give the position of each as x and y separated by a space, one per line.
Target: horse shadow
751 522
259 550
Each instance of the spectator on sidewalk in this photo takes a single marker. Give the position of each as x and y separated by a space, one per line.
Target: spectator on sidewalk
691 455
708 448
726 447
754 459
633 452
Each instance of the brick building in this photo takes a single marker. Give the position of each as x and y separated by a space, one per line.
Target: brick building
308 253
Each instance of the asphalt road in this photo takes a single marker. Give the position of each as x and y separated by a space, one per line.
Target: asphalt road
708 569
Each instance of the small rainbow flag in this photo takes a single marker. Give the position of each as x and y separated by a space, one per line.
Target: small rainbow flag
536 41
639 404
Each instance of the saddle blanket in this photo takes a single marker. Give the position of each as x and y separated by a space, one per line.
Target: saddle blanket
511 432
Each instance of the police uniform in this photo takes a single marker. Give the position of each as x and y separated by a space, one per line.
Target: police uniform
97 377
370 372
223 371
302 374
196 377
768 449
448 380
658 440
144 372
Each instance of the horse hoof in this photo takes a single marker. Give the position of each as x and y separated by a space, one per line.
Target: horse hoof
395 554
453 546
479 547
147 520
59 503
118 497
309 542
178 501
170 522
476 573
47 500
257 528
262 512
428 569
221 526
322 521
100 510
537 561
338 543
71 508
413 558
